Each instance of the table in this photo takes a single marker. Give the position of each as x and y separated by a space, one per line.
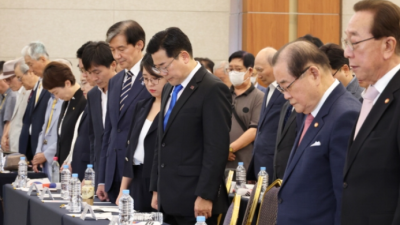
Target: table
8 178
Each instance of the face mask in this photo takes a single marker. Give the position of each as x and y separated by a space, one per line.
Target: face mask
253 80
237 78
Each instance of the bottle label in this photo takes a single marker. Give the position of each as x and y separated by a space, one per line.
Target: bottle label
88 194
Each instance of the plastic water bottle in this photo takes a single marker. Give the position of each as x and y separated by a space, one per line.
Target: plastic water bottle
240 176
263 173
125 209
22 172
89 173
201 220
55 171
75 202
65 177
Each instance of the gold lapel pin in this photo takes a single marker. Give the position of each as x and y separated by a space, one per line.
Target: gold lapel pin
73 108
126 158
316 124
386 101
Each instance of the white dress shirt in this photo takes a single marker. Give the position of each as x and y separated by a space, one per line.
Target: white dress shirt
324 97
38 91
104 100
272 88
135 70
138 157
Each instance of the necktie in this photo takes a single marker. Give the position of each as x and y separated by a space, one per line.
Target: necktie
307 124
38 92
2 102
172 104
51 114
368 102
125 89
288 112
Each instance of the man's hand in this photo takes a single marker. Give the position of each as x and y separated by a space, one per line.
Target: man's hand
119 196
202 207
35 168
231 156
39 159
101 194
154 201
5 143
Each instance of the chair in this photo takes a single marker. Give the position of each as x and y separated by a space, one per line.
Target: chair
269 204
229 181
252 204
233 211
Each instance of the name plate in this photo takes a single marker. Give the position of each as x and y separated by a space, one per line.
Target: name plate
114 221
45 191
33 186
87 208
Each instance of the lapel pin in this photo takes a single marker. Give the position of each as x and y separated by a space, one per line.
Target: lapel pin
386 101
73 108
192 87
126 158
316 124
142 83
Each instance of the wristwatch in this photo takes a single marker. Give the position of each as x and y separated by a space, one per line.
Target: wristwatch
230 149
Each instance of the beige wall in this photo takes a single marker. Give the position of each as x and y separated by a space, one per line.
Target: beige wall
64 25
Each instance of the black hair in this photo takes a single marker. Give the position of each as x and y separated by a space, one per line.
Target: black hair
131 29
172 40
248 58
97 54
81 49
147 63
1 66
316 41
206 62
335 55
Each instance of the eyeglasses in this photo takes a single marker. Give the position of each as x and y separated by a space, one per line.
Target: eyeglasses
153 81
281 89
336 72
347 43
164 70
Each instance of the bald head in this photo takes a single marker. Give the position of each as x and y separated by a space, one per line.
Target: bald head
263 65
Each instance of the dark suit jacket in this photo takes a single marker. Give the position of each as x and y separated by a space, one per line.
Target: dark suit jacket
76 106
81 156
116 130
284 141
33 115
96 128
312 185
371 193
264 144
191 153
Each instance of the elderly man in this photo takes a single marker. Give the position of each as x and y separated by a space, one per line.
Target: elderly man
264 144
8 96
372 171
221 72
312 183
247 104
36 57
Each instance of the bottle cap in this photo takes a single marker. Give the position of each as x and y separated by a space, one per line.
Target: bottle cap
262 168
55 158
22 158
89 166
125 192
201 219
240 163
65 166
74 175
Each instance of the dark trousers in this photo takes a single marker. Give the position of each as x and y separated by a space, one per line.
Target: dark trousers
139 190
30 153
188 220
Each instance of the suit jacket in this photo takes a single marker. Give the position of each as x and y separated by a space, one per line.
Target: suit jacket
81 154
142 109
354 88
264 144
191 153
76 106
372 171
285 138
96 127
34 116
116 130
16 119
47 142
312 185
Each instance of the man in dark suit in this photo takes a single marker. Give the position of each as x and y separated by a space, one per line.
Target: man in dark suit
193 136
99 67
36 57
372 171
312 183
126 40
264 144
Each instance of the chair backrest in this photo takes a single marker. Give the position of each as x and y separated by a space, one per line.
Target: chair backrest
233 211
252 204
229 180
269 205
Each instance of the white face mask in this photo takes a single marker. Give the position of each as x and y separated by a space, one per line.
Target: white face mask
237 78
253 80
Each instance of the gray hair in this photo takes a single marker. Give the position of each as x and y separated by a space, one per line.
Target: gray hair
35 50
64 61
22 66
220 65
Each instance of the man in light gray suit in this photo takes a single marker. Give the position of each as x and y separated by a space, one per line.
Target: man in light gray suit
47 142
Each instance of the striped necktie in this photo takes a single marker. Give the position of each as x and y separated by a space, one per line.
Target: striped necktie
126 87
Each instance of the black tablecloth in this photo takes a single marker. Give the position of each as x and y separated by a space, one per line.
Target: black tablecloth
8 178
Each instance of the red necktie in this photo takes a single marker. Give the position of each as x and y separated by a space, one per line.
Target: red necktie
307 124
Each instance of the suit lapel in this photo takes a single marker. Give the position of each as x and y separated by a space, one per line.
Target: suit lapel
289 121
137 87
271 102
164 100
372 119
40 97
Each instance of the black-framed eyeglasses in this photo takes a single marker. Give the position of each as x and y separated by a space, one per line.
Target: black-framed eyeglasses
159 70
350 44
336 72
281 89
153 81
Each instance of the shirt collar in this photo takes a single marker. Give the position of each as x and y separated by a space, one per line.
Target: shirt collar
136 68
248 91
273 85
381 84
101 90
191 75
20 89
321 102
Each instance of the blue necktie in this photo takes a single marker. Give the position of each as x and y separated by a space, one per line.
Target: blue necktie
172 104
125 89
